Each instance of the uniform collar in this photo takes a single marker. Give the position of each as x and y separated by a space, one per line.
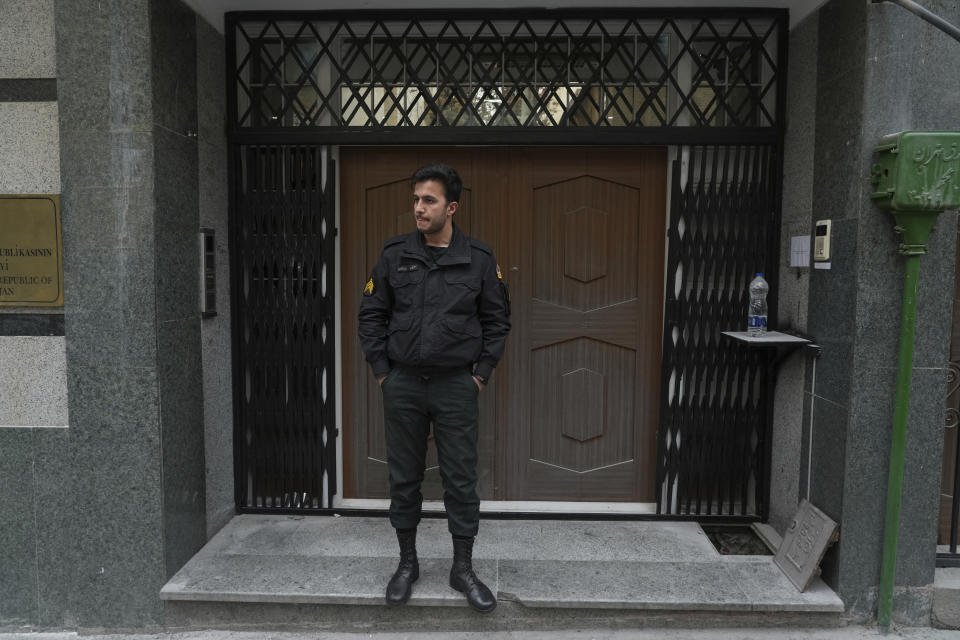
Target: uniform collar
458 251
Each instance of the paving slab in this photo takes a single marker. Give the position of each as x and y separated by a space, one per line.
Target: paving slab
667 566
798 633
610 540
768 589
619 585
317 579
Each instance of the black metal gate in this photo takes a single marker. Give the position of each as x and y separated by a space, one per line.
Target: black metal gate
714 439
283 260
590 76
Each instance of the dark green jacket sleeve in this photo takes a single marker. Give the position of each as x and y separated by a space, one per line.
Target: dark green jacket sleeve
376 305
494 314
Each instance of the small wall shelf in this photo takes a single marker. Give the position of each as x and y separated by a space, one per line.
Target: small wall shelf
784 343
768 339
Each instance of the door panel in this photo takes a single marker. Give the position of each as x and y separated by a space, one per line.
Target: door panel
587 274
585 244
571 411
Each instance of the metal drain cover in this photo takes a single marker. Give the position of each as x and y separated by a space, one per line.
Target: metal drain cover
804 544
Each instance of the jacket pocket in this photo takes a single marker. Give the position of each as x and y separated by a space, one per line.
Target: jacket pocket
402 338
464 326
458 341
406 278
461 289
462 278
399 323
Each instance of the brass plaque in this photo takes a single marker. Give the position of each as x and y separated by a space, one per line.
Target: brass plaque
31 251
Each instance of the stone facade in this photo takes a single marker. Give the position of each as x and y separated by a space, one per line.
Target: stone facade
119 107
792 290
109 504
215 332
879 70
33 403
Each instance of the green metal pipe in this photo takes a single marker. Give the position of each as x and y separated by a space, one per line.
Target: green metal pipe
908 325
915 192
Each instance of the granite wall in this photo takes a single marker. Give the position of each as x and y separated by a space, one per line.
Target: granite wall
29 133
177 259
793 287
107 168
105 506
33 403
215 332
129 169
880 70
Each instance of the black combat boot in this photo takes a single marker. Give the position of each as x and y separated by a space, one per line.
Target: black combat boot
408 570
464 580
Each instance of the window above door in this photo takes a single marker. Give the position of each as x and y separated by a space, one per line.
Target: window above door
597 70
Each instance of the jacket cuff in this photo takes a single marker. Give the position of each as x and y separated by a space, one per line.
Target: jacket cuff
380 368
484 370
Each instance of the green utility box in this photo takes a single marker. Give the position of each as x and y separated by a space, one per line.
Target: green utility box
918 171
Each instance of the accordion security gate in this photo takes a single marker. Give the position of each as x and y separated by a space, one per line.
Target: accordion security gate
283 256
299 82
714 438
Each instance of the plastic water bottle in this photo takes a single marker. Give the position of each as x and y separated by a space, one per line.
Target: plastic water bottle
757 314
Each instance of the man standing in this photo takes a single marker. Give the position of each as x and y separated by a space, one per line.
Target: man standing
433 321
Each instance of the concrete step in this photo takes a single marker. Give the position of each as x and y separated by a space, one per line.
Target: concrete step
546 573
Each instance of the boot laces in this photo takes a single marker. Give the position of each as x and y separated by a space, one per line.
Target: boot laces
469 577
408 559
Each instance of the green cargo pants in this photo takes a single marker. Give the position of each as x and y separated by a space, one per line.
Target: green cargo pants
411 401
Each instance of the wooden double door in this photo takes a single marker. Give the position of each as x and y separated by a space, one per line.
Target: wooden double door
579 234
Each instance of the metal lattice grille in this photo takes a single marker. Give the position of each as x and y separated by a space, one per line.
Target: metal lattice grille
283 243
713 440
631 69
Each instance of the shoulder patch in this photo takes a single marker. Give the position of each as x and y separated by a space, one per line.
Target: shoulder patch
483 246
368 289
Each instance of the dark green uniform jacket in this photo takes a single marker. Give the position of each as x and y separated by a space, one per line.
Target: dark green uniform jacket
455 313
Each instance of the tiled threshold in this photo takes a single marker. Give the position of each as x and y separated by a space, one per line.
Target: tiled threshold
536 564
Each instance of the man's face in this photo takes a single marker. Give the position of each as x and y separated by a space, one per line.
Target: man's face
430 206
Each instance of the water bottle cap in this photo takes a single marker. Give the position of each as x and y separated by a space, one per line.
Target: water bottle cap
759 275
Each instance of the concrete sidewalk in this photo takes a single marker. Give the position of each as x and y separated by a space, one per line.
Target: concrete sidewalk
845 633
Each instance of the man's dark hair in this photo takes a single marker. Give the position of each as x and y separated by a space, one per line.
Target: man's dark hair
445 175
